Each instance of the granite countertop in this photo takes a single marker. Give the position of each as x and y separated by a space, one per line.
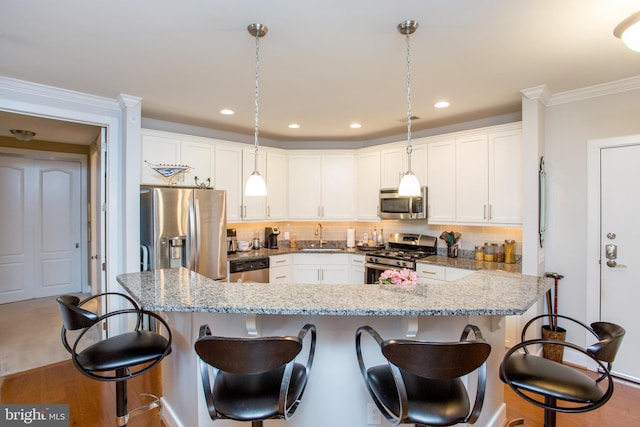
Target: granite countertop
464 263
481 293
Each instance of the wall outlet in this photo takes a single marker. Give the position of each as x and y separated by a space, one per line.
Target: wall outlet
373 415
286 235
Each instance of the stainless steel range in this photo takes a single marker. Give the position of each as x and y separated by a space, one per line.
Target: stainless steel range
403 252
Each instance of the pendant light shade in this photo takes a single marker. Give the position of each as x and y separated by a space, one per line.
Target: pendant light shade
629 32
409 185
255 185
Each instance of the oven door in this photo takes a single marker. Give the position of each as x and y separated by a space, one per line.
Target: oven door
372 272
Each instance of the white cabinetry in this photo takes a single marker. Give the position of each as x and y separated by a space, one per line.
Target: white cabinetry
431 273
368 185
391 167
356 269
228 176
476 177
321 186
253 207
441 172
321 268
394 164
280 269
472 179
276 185
174 149
505 177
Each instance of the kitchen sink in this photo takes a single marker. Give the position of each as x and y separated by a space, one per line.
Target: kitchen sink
322 250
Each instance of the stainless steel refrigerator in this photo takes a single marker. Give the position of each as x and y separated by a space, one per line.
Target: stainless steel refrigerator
184 227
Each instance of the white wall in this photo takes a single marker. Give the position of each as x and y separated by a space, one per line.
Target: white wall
571 120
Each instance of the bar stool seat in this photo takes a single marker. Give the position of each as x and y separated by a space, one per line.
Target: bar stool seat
557 387
253 379
421 383
117 358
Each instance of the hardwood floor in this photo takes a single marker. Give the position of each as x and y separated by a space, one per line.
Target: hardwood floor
92 403
621 410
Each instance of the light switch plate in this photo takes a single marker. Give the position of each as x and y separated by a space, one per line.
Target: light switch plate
286 235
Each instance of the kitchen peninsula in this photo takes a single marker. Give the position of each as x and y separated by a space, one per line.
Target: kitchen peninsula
335 394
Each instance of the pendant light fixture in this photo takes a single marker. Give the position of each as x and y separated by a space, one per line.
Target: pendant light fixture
409 185
629 31
255 183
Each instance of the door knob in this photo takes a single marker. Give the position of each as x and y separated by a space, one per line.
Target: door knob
611 252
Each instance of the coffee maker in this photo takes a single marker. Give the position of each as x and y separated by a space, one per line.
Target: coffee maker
271 237
232 242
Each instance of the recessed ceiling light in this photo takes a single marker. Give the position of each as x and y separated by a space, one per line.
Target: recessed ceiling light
227 112
294 126
355 125
441 104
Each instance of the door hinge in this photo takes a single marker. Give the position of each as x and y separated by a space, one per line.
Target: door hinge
104 266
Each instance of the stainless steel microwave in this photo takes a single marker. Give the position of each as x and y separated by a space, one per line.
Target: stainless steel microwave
394 206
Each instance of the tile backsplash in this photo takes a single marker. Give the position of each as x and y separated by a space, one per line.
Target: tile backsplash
305 230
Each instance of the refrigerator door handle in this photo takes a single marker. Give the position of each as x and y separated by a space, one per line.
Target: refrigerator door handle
193 236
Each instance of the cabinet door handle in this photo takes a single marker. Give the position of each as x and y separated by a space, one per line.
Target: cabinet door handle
268 211
281 277
282 260
484 215
428 272
489 212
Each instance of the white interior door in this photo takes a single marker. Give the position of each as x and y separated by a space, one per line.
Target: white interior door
16 231
96 215
619 226
58 267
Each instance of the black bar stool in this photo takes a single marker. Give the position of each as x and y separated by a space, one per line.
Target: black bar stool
253 379
421 383
119 357
560 387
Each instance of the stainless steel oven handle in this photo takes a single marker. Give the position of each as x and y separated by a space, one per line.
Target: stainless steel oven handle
379 267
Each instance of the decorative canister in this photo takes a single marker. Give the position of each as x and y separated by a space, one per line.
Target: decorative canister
479 253
490 252
510 251
500 253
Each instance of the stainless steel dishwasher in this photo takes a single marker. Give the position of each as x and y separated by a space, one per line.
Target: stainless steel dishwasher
251 270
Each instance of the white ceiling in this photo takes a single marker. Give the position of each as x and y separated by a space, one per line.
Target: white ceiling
323 64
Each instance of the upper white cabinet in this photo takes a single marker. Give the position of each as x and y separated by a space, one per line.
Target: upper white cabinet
368 185
476 177
321 186
391 167
253 207
276 185
174 149
472 179
505 177
441 180
228 176
394 163
272 165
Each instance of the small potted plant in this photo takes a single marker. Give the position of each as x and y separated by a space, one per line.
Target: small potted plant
552 331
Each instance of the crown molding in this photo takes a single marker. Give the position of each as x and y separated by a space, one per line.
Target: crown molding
624 85
57 94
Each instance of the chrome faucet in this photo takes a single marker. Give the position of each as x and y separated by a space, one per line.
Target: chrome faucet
319 234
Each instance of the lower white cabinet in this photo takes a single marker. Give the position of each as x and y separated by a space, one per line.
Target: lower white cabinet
356 269
280 269
320 268
431 273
